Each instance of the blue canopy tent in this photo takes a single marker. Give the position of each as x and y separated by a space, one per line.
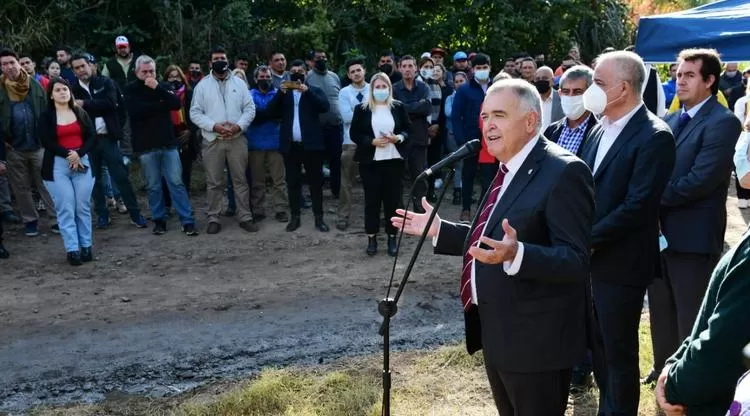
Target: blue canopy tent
723 25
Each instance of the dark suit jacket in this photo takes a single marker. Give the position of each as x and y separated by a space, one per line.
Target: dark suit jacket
102 102
555 129
693 206
629 184
312 104
705 369
362 134
535 320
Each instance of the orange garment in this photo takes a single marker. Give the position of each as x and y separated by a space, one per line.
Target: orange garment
484 155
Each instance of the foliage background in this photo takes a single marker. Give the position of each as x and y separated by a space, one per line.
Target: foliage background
179 30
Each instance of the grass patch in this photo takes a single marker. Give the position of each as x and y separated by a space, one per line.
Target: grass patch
442 382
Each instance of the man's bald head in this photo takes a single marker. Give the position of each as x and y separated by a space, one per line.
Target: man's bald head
545 72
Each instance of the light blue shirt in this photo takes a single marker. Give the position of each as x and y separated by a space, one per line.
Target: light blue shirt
296 129
741 162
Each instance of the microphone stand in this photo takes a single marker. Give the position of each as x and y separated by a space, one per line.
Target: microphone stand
389 306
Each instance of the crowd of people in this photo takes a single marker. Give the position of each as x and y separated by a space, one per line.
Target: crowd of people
655 190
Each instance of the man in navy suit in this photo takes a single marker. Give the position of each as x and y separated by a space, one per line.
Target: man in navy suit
631 153
693 207
526 257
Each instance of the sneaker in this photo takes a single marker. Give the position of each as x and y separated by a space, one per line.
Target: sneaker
74 258
160 227
249 226
189 230
121 208
139 222
102 223
111 202
55 229
743 203
31 229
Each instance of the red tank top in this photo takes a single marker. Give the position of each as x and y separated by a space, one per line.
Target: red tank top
70 136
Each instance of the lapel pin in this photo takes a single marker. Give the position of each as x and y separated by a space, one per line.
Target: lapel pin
530 170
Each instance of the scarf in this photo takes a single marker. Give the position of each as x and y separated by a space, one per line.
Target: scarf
19 89
178 116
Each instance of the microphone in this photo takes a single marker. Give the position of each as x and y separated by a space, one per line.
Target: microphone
469 149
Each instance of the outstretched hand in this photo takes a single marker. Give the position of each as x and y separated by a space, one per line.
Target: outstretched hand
415 223
499 251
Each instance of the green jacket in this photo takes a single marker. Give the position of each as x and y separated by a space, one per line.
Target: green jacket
706 367
38 105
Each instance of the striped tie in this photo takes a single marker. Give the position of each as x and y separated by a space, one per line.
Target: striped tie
484 216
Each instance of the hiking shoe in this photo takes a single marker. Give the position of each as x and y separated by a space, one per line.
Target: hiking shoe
31 229
189 230
249 226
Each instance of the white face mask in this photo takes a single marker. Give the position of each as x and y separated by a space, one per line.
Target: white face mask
595 99
572 106
380 95
482 75
426 73
730 74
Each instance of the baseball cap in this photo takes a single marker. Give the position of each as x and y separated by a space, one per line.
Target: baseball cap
460 56
121 41
426 55
438 51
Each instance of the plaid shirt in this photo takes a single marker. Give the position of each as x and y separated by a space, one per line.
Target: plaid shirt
571 139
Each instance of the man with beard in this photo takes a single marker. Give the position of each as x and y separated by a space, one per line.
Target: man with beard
122 68
63 55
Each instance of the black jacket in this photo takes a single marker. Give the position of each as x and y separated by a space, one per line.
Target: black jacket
150 116
312 104
694 204
629 183
535 320
101 102
555 129
48 137
418 105
362 134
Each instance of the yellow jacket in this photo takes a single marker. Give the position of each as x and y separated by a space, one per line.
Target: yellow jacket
676 102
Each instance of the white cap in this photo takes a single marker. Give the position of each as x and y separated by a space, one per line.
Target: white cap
121 40
425 55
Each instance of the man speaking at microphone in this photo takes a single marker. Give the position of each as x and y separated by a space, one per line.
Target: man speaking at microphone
525 257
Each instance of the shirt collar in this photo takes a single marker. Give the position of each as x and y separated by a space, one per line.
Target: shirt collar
622 121
517 160
581 126
693 111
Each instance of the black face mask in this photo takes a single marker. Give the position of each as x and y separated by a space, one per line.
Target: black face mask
195 74
264 84
176 85
297 77
386 68
321 65
542 86
219 67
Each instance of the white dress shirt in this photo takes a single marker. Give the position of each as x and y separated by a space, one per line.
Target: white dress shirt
547 111
296 129
382 124
511 268
693 111
612 130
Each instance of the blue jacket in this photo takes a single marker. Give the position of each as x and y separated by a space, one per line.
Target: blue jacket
670 89
467 104
263 133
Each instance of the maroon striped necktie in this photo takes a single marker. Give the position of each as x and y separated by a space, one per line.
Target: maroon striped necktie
484 216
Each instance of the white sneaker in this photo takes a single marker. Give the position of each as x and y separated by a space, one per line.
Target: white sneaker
743 203
111 203
121 208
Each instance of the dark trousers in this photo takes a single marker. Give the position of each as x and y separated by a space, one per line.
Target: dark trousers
742 193
382 185
523 394
618 314
468 173
294 159
417 161
333 137
674 300
107 152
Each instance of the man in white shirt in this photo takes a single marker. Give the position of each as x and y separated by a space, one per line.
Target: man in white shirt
551 108
631 153
354 94
526 260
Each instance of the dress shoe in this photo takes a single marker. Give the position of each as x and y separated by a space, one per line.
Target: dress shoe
392 245
213 228
651 377
321 225
372 246
87 254
74 258
294 223
3 252
282 217
249 226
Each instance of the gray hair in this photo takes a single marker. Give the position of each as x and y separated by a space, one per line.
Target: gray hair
577 72
628 66
259 69
546 69
530 100
143 60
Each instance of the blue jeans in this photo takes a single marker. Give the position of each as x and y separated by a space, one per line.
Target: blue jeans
71 193
166 163
110 188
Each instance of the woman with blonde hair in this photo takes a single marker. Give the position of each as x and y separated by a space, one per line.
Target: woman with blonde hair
239 73
380 129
